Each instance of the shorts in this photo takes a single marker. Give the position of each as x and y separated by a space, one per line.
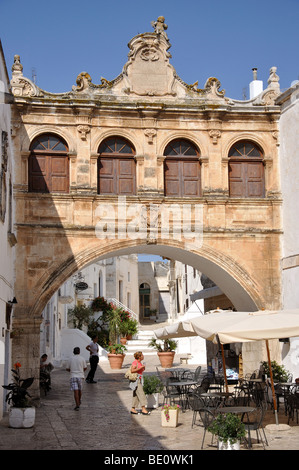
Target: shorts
76 383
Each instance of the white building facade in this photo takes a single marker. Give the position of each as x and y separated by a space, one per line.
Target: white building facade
7 237
289 168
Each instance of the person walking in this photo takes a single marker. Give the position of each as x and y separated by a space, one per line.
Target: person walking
93 348
77 366
138 393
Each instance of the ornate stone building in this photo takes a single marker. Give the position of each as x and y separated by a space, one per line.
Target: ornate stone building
98 166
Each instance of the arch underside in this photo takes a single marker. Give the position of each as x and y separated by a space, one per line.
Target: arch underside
224 271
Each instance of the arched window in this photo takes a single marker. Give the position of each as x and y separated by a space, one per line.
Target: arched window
181 169
246 170
116 167
144 300
48 165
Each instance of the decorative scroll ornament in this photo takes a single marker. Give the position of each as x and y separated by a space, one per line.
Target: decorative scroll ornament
20 85
83 82
149 53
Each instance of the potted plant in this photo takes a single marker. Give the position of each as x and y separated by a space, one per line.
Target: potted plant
116 355
132 328
80 316
165 350
123 328
170 415
280 374
229 429
21 413
152 387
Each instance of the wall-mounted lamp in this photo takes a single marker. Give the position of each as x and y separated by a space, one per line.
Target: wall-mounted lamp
13 301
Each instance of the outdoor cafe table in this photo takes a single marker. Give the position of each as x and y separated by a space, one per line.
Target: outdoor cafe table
184 389
238 410
222 396
177 372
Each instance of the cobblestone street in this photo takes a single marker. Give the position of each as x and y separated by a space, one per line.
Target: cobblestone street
104 421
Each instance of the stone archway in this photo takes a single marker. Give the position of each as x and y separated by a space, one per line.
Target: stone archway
239 246
40 283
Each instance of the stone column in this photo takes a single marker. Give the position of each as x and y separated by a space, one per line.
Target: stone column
26 347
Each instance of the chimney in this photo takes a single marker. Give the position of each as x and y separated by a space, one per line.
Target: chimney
256 86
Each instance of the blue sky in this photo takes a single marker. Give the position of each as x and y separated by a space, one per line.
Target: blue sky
224 39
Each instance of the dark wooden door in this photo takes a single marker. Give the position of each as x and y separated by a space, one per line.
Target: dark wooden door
116 175
182 177
48 173
246 179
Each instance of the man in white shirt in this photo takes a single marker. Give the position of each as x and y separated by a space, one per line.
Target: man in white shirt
93 348
77 366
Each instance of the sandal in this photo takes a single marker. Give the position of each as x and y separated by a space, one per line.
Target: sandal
147 413
134 413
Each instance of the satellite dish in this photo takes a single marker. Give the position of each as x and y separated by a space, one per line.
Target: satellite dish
81 285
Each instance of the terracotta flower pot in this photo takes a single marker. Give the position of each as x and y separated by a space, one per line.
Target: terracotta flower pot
123 340
166 358
116 360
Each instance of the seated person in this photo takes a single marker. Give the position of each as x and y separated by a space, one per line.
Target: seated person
45 369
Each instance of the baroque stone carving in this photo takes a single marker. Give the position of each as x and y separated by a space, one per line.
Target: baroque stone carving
20 85
83 130
214 134
150 134
160 26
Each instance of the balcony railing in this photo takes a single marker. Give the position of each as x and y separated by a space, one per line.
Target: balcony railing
121 305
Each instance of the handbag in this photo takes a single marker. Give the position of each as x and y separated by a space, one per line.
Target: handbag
132 377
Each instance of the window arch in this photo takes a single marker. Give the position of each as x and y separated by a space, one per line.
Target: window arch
246 170
48 165
116 167
181 169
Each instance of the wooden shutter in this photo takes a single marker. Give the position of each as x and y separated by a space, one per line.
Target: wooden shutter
117 176
255 179
125 175
38 174
48 165
246 179
190 171
172 178
106 180
236 179
182 177
58 171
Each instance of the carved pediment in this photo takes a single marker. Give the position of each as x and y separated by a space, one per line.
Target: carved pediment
148 72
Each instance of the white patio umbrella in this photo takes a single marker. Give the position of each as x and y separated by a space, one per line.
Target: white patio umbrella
230 327
176 330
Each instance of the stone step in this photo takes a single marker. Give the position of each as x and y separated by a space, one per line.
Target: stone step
140 343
